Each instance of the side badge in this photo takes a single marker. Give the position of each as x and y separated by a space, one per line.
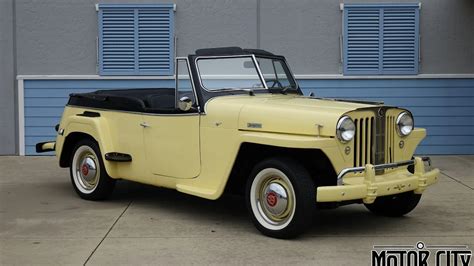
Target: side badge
254 125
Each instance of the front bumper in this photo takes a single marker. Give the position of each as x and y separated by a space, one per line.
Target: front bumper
369 186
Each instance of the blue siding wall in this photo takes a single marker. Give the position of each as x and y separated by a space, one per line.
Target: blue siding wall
45 100
445 107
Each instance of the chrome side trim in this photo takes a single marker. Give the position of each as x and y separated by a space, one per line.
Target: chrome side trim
361 169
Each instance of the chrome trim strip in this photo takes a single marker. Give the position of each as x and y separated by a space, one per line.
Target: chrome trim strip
259 71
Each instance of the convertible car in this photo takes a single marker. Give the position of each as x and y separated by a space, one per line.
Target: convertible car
237 121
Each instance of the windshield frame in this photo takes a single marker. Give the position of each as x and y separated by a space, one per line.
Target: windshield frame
283 60
257 67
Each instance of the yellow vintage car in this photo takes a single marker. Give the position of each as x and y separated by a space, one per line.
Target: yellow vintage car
237 121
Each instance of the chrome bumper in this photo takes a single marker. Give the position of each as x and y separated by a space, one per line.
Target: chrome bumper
377 167
370 186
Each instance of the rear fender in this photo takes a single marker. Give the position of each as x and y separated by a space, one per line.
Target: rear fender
97 128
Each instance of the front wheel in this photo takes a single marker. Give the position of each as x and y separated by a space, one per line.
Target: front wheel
394 205
281 197
88 175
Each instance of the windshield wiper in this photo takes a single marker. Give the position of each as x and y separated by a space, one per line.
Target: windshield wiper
230 89
282 90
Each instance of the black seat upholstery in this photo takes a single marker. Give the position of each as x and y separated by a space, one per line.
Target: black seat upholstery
160 101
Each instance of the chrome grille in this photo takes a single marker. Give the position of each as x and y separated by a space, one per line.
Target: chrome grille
374 139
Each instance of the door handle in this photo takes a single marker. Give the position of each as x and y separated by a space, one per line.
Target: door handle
144 124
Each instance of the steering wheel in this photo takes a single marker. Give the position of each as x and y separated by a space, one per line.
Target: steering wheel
275 82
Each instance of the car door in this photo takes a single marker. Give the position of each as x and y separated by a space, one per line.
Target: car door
172 140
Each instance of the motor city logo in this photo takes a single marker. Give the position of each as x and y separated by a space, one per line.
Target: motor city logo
421 255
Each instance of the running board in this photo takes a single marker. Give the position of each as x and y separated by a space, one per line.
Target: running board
118 157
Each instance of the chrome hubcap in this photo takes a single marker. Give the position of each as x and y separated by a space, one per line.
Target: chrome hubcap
86 172
276 199
88 169
273 198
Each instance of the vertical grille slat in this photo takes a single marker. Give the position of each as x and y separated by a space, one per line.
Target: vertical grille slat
367 140
372 137
356 145
389 139
362 142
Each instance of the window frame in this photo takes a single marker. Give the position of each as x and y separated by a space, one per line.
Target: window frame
136 68
381 70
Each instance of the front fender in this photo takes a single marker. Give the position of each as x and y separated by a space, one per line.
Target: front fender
328 145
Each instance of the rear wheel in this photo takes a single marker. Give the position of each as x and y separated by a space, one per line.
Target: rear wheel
395 205
280 197
88 175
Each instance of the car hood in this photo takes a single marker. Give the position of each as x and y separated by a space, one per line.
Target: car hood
290 114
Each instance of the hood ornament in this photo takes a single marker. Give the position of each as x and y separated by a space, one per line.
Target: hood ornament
381 112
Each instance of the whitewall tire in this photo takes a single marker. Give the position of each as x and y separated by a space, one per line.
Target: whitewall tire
281 197
88 175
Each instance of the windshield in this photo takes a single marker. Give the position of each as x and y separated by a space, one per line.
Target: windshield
227 73
276 73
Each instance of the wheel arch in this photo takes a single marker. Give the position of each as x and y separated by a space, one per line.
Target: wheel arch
249 154
80 127
68 146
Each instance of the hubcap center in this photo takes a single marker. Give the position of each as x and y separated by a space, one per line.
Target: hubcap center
272 199
85 170
88 170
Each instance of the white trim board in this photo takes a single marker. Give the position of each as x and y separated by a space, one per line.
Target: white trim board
298 76
30 77
21 117
419 76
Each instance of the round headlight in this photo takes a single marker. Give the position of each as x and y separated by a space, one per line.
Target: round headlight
345 129
404 124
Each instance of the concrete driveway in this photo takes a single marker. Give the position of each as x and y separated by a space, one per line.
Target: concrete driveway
43 221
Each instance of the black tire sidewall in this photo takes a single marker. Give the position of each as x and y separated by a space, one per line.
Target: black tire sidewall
395 205
305 196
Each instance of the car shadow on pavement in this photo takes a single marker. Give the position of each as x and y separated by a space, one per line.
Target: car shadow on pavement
352 220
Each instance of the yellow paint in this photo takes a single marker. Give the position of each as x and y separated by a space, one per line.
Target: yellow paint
195 153
391 183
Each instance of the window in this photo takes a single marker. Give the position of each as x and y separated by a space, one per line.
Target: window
136 39
381 39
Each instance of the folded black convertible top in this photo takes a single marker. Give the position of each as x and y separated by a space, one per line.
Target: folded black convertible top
133 100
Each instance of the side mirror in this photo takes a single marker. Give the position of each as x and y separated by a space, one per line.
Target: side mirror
185 104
